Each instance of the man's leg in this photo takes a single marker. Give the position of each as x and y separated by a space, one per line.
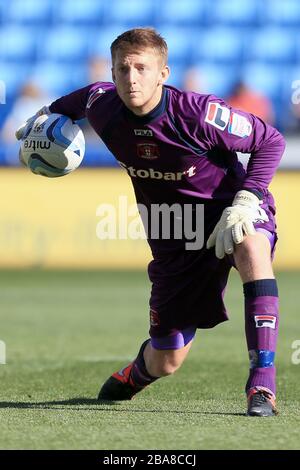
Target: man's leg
150 364
253 261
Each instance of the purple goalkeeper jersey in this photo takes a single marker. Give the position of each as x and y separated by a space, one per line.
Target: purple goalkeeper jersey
184 150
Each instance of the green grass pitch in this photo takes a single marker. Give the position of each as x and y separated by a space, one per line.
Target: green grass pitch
66 332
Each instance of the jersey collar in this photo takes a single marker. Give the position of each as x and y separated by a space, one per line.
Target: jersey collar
154 114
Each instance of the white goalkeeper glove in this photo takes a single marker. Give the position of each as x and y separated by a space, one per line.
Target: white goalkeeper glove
236 222
24 129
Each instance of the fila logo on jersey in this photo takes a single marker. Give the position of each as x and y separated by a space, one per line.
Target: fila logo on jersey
148 151
143 132
265 321
217 116
94 96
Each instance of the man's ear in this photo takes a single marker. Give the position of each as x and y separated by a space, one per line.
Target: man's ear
113 74
164 74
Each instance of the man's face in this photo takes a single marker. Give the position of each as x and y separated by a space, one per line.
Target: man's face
138 76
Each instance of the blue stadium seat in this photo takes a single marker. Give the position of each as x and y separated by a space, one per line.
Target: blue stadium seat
264 78
28 12
59 79
281 12
187 12
272 45
234 12
99 42
217 79
64 44
219 44
177 75
179 40
18 43
14 75
297 60
134 13
88 12
3 9
97 154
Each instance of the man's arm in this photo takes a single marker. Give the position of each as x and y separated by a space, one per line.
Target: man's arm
73 105
237 131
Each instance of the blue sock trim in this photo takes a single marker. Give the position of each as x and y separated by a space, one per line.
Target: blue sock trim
262 287
261 358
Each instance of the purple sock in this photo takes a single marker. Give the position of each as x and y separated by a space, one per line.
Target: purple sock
261 325
139 373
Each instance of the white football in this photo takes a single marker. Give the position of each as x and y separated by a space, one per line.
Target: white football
53 145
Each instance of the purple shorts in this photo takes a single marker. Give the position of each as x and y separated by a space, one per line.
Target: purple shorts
188 289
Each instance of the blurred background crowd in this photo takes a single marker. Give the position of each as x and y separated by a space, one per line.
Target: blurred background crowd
245 51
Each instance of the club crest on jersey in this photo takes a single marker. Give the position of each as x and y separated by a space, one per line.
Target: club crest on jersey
217 116
94 96
265 321
148 151
143 132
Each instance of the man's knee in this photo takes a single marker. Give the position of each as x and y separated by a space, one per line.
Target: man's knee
161 363
253 258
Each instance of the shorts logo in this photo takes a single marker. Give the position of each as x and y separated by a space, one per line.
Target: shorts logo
217 116
148 151
265 321
239 125
154 318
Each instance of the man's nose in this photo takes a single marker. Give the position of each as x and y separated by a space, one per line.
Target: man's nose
131 76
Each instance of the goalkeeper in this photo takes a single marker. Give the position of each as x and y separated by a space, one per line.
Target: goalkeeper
180 147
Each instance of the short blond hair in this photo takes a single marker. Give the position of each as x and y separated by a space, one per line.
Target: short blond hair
140 38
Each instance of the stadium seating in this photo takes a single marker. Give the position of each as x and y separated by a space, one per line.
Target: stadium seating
130 12
272 45
264 78
180 41
59 79
177 74
235 12
101 39
14 75
218 44
217 79
282 13
18 43
178 12
51 41
27 12
79 12
64 44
